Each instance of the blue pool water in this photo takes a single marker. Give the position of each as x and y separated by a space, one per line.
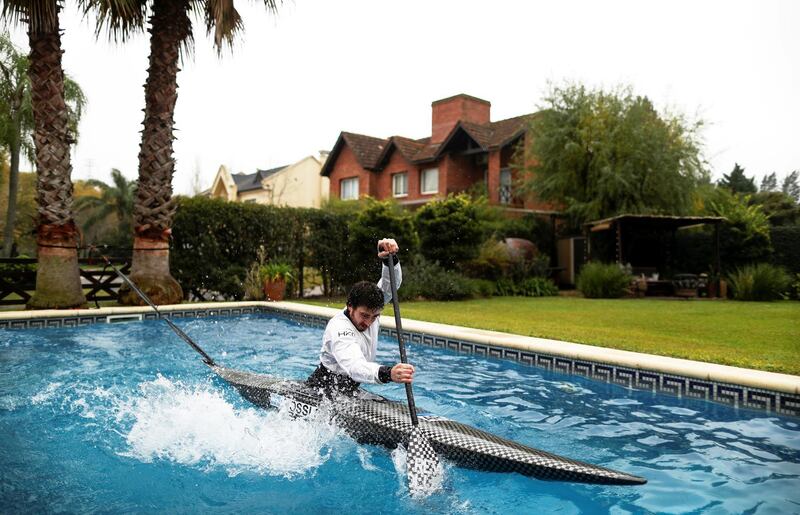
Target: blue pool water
125 418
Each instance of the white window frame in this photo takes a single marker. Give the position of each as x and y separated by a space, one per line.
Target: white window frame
395 177
422 176
350 195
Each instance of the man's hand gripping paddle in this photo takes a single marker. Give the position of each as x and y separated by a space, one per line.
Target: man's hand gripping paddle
422 461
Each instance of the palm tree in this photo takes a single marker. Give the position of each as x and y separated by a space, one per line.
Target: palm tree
170 36
58 283
114 199
16 121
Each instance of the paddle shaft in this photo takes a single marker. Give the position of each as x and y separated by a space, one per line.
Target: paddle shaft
185 337
399 326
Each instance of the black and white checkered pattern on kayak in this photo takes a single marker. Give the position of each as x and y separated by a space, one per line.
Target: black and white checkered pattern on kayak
373 419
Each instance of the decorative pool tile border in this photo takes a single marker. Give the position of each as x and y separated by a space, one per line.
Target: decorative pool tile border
730 394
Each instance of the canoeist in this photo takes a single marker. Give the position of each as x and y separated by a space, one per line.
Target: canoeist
349 345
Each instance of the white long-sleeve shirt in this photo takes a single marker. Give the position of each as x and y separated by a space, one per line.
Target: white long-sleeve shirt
348 351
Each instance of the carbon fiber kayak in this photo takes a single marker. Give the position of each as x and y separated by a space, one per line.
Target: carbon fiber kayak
372 419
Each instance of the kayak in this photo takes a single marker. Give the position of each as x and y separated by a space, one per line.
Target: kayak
373 419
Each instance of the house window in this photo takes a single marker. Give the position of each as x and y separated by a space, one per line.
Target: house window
429 182
400 184
505 186
349 189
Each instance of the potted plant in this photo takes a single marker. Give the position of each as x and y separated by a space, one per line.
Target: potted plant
274 276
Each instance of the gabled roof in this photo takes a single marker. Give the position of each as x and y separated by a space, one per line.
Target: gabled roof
371 153
366 149
252 181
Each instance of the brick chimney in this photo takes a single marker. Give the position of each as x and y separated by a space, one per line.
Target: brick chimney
448 111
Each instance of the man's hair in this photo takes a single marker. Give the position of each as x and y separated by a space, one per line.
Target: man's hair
365 294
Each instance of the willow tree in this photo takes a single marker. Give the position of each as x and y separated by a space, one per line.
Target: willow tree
170 38
600 153
58 283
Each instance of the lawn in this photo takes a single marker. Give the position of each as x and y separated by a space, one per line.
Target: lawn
760 335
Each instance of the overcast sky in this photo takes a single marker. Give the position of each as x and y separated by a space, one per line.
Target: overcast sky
295 80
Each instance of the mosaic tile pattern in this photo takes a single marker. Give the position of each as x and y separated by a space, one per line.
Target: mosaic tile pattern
729 394
657 382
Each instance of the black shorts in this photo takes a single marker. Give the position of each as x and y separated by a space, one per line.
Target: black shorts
331 382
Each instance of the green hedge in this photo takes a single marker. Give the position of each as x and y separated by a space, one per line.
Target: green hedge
216 243
786 245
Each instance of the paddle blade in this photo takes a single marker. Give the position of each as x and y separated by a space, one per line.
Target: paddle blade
424 473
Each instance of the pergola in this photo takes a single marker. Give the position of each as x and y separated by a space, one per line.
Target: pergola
624 226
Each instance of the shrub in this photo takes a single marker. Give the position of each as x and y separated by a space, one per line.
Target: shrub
786 242
492 263
376 220
429 280
603 281
745 236
530 287
760 282
449 231
274 271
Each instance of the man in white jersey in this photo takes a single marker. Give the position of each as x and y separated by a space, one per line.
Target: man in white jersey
349 345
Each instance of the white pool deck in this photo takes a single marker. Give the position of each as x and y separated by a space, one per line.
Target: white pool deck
784 383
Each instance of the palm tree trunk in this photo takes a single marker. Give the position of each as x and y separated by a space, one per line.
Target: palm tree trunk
58 283
155 207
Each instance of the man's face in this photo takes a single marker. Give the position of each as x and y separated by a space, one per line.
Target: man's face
362 317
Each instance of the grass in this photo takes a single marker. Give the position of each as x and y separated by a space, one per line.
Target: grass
760 335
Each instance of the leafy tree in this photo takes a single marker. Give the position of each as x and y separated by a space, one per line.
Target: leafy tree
58 278
737 181
745 236
449 230
602 153
170 37
780 208
16 122
116 199
791 186
769 183
25 219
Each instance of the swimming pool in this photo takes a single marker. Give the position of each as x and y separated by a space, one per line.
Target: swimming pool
125 417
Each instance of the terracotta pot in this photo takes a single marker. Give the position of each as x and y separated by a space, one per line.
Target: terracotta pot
275 289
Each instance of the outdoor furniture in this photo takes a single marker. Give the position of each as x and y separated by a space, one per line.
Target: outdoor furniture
659 288
685 285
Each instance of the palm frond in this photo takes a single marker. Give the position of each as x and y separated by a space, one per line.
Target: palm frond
119 18
41 16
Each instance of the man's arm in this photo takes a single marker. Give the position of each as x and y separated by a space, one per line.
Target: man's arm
388 246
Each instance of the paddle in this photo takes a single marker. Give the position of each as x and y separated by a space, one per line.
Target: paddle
185 337
423 463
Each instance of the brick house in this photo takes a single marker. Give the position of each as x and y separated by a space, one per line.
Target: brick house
464 148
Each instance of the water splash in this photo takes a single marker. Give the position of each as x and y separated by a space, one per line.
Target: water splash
196 426
419 492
